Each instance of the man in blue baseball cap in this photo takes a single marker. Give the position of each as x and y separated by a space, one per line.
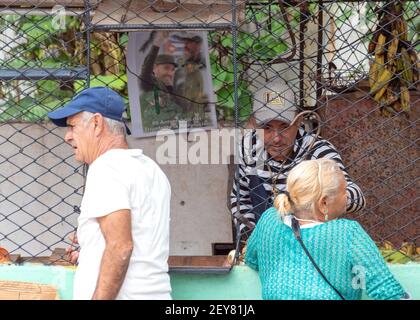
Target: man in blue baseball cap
97 105
125 205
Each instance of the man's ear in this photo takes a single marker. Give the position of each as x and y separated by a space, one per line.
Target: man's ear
98 121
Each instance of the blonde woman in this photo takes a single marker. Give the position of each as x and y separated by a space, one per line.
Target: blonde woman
302 251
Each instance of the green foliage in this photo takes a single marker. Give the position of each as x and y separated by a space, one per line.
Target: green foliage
263 45
30 109
411 9
347 12
115 82
393 256
37 45
123 40
44 46
407 252
267 42
411 16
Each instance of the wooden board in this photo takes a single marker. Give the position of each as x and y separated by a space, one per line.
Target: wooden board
59 257
198 261
16 290
15 258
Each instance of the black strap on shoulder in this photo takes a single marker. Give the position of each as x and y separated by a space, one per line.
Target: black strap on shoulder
296 231
260 198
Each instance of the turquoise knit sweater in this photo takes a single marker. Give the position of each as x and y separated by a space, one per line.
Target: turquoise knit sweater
342 249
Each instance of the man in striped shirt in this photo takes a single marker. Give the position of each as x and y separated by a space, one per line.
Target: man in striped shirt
267 156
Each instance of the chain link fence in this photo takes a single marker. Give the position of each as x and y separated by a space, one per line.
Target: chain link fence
354 63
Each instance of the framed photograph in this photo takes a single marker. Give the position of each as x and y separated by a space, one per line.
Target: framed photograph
169 82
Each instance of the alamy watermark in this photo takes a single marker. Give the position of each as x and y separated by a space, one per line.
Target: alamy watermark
59 17
358 282
200 146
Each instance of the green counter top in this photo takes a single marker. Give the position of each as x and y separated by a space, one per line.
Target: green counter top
241 283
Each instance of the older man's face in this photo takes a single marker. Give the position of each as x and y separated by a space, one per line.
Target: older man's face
80 135
279 139
165 73
192 50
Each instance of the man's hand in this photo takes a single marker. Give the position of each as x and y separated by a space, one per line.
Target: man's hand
160 38
116 229
72 251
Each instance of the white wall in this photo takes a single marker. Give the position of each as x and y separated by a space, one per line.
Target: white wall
199 214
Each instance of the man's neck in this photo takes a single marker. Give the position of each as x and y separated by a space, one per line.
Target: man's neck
281 158
109 143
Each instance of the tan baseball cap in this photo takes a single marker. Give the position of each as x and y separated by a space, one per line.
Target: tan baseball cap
274 101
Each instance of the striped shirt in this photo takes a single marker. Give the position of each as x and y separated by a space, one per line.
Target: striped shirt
254 160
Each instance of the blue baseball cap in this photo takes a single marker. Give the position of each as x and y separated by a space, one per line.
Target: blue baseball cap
101 100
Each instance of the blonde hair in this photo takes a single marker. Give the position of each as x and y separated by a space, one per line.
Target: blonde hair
308 182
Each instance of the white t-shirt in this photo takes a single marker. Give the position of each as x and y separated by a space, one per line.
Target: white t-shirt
126 179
